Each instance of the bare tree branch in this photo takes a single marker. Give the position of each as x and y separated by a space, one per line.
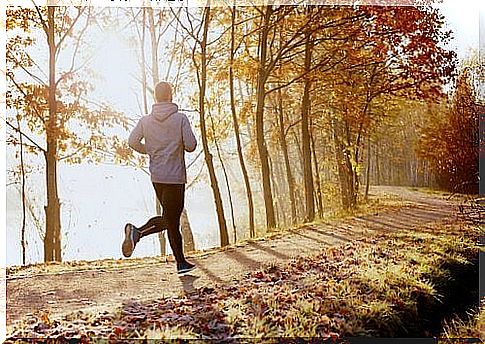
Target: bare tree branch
29 73
24 135
80 12
74 55
43 22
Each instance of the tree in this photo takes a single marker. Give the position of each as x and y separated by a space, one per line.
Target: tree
305 131
406 61
263 73
200 37
52 107
186 229
283 31
282 132
247 184
451 142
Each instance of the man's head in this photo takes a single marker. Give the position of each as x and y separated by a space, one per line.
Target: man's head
163 92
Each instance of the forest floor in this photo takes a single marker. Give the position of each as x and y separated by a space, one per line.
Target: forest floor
132 298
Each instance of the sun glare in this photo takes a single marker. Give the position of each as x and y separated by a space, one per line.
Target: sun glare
115 64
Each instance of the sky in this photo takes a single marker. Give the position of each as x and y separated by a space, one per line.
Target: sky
98 200
462 17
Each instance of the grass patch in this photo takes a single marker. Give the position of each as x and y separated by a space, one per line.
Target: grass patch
394 285
472 327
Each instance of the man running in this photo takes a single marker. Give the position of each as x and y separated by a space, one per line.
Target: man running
167 135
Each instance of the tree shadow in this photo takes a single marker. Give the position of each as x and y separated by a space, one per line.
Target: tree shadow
405 219
418 218
214 278
312 238
268 250
378 225
344 229
332 235
242 259
443 209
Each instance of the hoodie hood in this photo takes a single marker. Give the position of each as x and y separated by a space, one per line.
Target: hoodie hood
161 111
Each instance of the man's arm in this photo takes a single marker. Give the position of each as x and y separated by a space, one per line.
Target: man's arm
134 140
188 135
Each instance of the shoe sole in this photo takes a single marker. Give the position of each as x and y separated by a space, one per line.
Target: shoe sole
127 247
184 271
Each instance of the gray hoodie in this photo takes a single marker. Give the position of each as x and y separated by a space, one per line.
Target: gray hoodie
167 135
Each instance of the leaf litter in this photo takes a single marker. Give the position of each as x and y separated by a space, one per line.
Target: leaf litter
366 287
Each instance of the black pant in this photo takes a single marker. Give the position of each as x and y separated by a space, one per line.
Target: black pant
171 197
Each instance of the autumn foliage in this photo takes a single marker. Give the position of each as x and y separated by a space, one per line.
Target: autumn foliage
315 101
451 141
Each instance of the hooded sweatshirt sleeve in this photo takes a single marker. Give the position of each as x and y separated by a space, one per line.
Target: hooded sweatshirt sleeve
188 136
134 140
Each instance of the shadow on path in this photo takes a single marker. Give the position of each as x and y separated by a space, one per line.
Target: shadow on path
269 250
214 278
312 238
332 235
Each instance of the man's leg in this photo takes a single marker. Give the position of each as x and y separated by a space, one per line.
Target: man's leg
156 224
133 234
171 197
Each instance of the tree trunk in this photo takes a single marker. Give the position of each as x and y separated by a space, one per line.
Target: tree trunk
378 170
224 237
260 99
154 50
22 174
284 149
282 199
317 177
427 178
174 52
274 186
155 78
305 136
249 194
52 240
143 66
186 229
298 150
343 165
367 175
226 178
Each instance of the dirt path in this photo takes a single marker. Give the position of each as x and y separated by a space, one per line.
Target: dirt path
103 289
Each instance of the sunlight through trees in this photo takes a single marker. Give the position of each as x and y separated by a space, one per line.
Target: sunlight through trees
305 107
